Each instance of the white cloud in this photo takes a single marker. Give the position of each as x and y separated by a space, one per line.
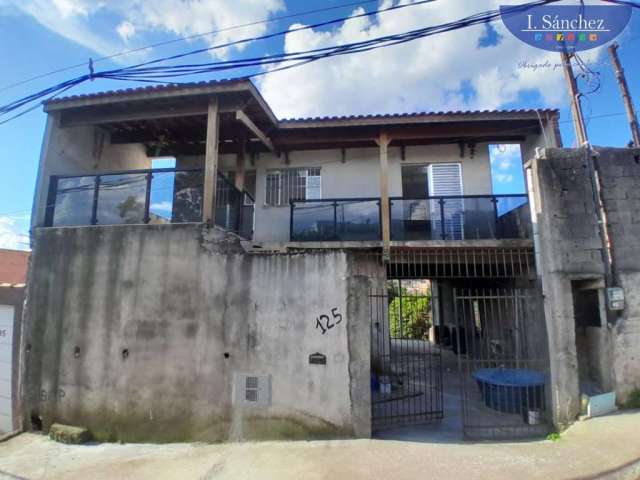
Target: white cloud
126 30
504 157
504 177
10 238
82 21
427 74
164 206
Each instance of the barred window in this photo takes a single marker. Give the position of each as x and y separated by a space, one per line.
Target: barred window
293 184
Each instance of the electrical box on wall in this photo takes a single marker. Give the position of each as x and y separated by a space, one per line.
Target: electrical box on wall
615 298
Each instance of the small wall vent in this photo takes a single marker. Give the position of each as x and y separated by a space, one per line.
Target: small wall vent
252 390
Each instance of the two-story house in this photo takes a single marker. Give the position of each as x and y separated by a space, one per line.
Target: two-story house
204 270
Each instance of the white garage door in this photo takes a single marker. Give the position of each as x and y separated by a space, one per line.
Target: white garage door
6 342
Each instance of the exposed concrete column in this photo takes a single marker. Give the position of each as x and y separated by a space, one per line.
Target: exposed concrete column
240 164
383 142
210 163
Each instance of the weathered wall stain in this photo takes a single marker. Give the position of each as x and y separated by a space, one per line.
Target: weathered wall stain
163 318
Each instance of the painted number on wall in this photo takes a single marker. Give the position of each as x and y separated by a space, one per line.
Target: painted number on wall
325 322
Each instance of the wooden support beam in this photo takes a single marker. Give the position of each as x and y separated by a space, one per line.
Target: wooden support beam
210 164
383 142
246 121
240 164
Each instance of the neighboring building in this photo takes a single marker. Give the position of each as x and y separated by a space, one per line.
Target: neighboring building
13 281
147 322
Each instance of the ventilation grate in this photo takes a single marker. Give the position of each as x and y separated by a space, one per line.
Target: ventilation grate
252 390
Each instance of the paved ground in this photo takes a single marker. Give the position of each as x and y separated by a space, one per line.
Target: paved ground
607 446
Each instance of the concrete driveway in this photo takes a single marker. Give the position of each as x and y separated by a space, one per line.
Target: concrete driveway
607 447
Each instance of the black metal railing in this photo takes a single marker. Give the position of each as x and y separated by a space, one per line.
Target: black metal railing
344 219
234 208
152 196
459 217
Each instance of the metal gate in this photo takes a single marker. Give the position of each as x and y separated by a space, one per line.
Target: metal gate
500 340
406 366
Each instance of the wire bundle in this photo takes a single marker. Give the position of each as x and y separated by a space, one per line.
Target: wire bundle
156 71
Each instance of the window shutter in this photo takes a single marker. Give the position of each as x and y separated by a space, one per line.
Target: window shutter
314 187
446 179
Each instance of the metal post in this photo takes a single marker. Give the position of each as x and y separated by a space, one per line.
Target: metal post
51 201
497 233
94 208
292 206
626 96
574 93
147 198
335 220
443 232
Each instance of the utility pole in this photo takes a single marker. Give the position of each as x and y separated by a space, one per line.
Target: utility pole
576 108
626 96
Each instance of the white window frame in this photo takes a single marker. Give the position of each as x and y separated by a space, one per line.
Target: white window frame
279 176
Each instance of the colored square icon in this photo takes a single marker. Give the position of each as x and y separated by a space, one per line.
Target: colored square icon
593 37
549 37
559 37
538 37
582 37
571 37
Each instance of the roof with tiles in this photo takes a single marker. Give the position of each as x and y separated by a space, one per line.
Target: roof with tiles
166 87
383 116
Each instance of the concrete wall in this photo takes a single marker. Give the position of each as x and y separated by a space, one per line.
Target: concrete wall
139 331
569 250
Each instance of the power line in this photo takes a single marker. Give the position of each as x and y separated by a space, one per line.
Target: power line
185 38
144 73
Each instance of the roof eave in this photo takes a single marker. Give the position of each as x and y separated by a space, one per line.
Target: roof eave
410 119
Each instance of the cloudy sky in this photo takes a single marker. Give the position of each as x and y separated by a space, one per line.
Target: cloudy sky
476 68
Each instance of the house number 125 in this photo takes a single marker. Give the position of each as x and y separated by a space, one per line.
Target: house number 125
325 323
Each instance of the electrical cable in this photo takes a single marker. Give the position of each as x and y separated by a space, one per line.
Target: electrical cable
188 37
138 73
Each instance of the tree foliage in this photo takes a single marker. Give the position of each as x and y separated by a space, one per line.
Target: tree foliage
409 315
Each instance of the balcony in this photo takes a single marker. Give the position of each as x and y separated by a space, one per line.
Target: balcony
471 217
158 196
347 219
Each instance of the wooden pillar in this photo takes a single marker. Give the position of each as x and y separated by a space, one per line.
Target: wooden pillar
383 143
210 164
240 164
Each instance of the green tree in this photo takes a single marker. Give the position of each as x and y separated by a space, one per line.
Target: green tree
410 315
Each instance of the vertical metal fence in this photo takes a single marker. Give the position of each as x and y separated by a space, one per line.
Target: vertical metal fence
501 349
406 364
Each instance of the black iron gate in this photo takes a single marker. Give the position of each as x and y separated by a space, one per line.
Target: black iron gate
406 365
499 338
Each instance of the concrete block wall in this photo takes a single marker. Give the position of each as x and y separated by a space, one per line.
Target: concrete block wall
569 248
140 333
620 178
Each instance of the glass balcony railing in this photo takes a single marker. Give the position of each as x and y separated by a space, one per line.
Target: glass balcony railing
158 196
347 219
459 217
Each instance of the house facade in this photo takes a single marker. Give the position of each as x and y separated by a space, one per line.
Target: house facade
203 270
